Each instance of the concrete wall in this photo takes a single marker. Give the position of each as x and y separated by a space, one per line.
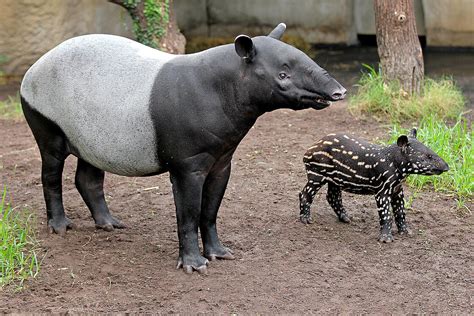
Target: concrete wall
29 28
320 21
449 23
444 22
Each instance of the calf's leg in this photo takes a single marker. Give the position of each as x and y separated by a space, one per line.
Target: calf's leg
334 198
398 207
383 204
315 182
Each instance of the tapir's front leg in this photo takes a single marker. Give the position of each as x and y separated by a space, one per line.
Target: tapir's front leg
383 204
188 181
214 189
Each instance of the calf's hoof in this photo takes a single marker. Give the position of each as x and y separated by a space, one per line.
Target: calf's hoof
59 226
306 219
193 263
344 218
405 231
385 237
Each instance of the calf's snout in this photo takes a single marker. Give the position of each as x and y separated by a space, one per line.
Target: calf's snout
445 167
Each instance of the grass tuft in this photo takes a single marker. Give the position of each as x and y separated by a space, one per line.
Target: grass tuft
11 108
453 143
389 102
18 245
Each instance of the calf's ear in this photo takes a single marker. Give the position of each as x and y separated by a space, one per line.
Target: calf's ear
278 31
244 47
402 142
413 133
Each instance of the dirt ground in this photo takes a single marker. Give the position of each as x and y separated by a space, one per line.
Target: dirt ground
281 266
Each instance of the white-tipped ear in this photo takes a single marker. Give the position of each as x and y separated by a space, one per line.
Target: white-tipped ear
278 31
244 47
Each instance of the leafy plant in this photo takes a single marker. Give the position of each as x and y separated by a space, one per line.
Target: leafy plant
389 102
150 24
18 246
452 143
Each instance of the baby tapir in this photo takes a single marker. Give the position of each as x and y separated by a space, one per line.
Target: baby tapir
354 165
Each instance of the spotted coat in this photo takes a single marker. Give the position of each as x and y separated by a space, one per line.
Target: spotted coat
350 164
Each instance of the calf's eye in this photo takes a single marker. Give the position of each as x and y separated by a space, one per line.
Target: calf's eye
282 75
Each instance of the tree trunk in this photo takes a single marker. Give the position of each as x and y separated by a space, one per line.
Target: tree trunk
398 45
154 24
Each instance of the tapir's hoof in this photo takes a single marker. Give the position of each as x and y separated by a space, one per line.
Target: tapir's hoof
385 238
198 264
109 224
306 219
60 226
224 254
344 218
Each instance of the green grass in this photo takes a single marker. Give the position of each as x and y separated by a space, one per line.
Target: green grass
18 246
11 108
453 143
388 102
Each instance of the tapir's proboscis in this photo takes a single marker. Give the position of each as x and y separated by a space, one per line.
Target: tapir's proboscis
128 109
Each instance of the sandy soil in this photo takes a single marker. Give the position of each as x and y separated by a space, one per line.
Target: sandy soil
281 266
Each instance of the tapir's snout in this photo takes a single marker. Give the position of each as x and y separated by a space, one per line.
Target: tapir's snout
445 167
338 94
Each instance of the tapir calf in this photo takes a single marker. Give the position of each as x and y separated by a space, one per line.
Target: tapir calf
128 109
351 164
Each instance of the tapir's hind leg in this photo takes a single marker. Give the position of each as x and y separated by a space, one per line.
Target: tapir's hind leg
334 197
51 178
90 184
53 148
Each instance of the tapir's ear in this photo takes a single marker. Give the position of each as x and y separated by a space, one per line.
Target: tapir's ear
402 142
413 133
244 47
278 31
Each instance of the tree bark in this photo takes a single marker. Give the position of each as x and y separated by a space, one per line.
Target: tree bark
171 41
398 45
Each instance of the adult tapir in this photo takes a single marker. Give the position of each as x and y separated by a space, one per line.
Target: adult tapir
128 109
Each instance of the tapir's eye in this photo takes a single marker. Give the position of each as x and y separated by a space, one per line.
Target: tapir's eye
429 156
282 75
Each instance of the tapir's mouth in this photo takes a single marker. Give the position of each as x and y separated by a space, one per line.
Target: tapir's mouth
437 171
315 101
323 102
433 172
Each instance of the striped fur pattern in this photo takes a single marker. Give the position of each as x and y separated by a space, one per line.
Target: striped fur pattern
349 164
